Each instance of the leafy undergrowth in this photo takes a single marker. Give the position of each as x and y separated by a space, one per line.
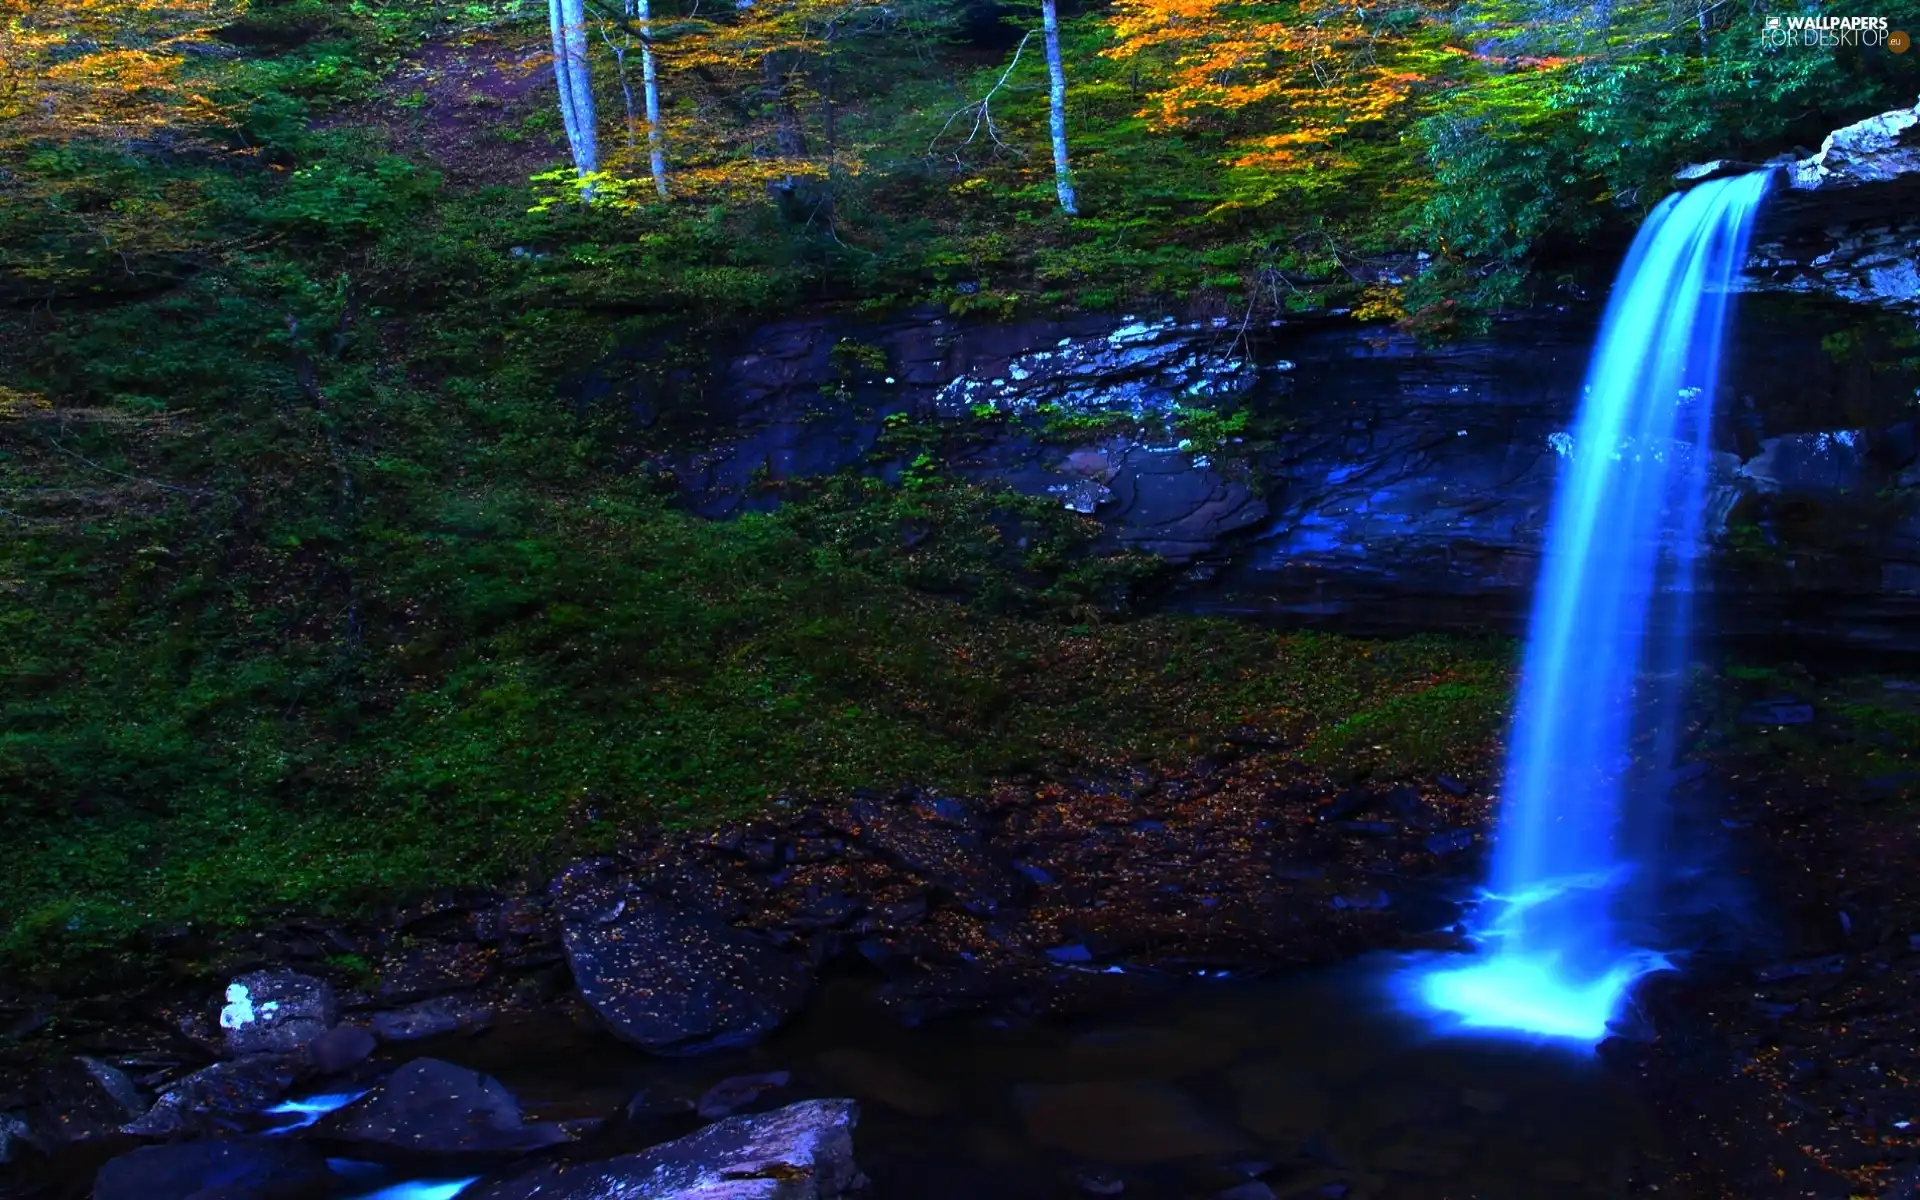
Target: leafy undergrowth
557 675
1862 739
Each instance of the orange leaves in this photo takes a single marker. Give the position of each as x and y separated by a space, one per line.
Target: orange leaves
1227 55
1291 80
101 68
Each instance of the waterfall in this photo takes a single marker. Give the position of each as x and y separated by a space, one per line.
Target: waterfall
1580 814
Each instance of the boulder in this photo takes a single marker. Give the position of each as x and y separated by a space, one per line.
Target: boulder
252 1169
219 1097
801 1152
87 1099
275 1012
430 1108
667 976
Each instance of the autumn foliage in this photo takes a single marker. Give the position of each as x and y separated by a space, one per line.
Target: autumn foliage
115 69
1288 82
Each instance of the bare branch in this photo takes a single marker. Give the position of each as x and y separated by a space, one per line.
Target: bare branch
982 108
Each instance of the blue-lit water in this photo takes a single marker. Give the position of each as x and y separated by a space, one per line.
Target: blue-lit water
443 1189
1578 828
309 1110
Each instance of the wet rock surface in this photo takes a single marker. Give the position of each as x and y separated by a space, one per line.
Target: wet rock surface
83 1099
16 1138
434 1108
667 974
430 1018
1845 223
1397 486
801 1152
224 1097
275 1012
340 1048
253 1169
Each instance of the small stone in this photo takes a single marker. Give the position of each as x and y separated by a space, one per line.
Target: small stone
1784 710
1099 1181
1075 953
669 976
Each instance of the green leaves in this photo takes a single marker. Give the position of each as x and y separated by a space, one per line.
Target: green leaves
1564 124
335 200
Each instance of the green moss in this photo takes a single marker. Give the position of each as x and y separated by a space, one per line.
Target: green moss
1864 741
1448 725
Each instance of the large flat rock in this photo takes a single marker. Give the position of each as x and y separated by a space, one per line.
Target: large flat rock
666 975
431 1108
801 1152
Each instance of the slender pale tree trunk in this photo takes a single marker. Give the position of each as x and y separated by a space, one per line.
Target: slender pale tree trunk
1057 109
650 81
789 135
570 71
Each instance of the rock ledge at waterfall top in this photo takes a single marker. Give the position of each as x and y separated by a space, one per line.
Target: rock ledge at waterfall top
1881 149
1846 223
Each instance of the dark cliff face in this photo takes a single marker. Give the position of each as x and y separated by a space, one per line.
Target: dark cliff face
1414 493
1845 222
1408 486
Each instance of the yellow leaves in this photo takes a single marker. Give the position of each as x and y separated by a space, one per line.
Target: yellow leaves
1379 302
101 68
16 405
1292 80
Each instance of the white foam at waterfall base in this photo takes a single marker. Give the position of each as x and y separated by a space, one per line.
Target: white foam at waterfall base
441 1189
1550 961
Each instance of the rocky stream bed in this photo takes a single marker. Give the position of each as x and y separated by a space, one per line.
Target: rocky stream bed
1059 988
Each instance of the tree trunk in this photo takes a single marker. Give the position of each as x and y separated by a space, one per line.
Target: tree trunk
1057 109
570 71
650 79
789 136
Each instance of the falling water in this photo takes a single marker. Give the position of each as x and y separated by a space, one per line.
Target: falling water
1578 829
